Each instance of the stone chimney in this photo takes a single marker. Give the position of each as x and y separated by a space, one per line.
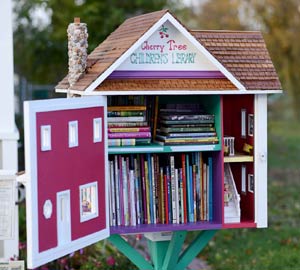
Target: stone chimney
77 50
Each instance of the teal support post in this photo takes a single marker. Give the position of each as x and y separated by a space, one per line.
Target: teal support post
158 250
194 249
174 249
165 254
132 254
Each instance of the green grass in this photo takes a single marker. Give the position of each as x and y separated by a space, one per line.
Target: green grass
278 246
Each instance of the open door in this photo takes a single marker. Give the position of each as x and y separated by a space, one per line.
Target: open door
66 161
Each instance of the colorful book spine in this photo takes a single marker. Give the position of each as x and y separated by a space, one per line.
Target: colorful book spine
125 192
124 135
210 189
147 191
184 187
126 108
162 198
153 189
177 197
125 113
173 190
133 201
128 129
126 119
145 205
128 142
127 124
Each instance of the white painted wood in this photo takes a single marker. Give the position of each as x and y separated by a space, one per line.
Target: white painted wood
169 92
36 258
8 132
6 69
260 157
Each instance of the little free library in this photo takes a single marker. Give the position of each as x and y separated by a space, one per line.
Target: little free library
164 131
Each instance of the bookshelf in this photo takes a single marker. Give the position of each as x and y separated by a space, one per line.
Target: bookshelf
156 91
242 164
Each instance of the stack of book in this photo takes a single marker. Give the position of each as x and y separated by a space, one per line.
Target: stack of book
160 189
127 125
185 124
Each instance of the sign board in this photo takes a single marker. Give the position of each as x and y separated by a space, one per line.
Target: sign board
168 49
66 195
7 205
12 265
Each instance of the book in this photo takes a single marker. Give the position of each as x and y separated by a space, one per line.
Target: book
183 117
128 129
125 135
162 198
126 108
196 121
177 197
125 113
147 191
125 192
173 189
181 129
145 205
165 136
129 142
184 188
126 119
133 201
127 124
176 141
210 189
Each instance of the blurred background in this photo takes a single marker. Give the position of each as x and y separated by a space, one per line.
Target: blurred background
40 61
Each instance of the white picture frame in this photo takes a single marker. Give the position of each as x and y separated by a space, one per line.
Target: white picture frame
250 125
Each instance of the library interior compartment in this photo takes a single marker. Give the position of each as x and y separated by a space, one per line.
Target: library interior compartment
238 123
148 173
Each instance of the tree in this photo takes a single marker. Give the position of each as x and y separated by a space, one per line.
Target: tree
40 39
215 15
280 22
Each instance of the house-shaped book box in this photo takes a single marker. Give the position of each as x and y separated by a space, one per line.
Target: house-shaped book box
170 134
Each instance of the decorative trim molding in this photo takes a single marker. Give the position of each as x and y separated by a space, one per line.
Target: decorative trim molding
141 74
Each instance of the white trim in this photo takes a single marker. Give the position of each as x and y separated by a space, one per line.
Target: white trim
173 92
45 138
63 237
94 201
60 251
97 130
144 37
36 258
260 164
73 133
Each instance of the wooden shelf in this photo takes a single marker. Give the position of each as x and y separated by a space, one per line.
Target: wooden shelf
156 148
238 157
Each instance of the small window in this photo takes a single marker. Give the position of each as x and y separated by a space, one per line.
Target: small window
97 130
250 183
243 123
73 133
243 173
46 138
88 201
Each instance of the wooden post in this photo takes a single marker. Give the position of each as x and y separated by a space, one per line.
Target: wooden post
8 132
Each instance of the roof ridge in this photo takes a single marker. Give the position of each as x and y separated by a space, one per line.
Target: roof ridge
227 31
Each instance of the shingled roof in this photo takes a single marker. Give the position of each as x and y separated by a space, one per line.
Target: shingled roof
243 54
